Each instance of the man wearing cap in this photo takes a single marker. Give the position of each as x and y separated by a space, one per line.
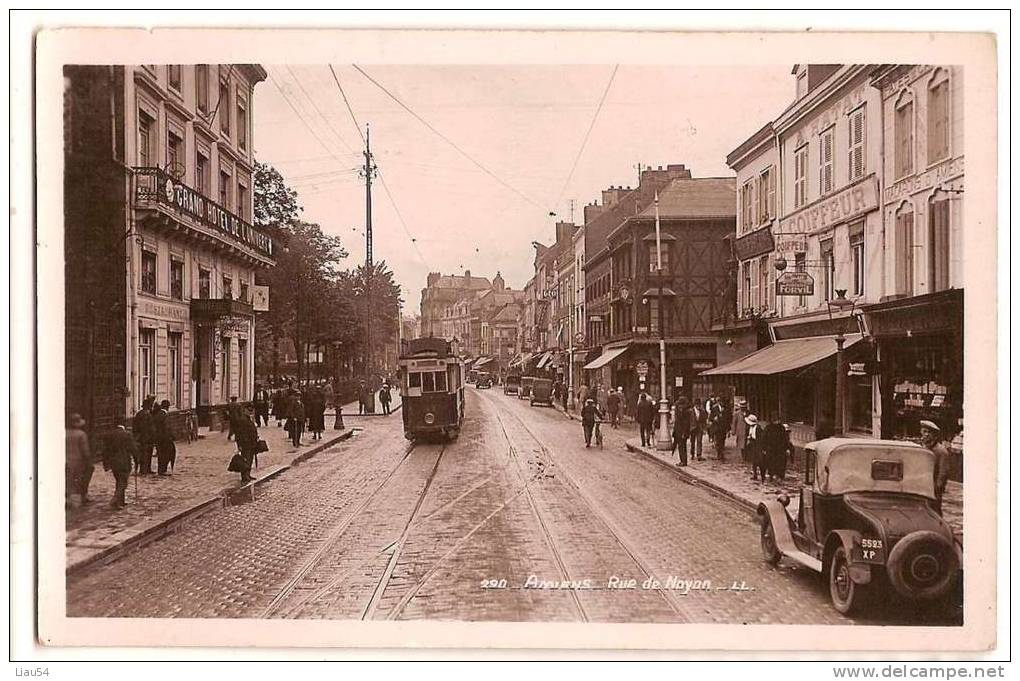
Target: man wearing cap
78 461
118 453
589 414
931 437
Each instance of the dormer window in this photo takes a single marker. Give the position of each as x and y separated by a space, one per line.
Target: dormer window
802 83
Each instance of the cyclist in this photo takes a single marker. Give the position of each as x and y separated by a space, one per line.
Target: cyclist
590 416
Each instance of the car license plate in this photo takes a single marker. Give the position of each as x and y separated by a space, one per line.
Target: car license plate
868 550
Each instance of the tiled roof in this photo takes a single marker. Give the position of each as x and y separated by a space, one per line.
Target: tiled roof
453 281
700 197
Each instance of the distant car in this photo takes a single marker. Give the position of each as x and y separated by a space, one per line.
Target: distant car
524 392
511 384
484 381
866 522
541 392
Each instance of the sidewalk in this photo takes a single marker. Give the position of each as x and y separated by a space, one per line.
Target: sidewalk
200 481
732 478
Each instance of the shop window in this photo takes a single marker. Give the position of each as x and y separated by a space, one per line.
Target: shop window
905 252
859 394
148 272
146 132
800 163
828 263
202 88
857 258
146 363
175 368
174 76
903 135
938 245
176 279
938 117
855 156
204 284
825 162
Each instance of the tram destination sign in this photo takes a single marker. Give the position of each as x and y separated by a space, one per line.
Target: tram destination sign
795 284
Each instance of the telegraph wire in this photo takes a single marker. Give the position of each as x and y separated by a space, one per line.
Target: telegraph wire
382 179
446 139
319 111
301 117
587 134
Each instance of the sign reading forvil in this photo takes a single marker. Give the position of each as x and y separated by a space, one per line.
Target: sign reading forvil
189 201
795 284
849 203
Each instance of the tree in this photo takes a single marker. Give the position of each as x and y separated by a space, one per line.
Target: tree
276 204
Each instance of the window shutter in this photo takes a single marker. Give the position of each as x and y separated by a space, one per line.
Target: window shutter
753 266
772 193
857 144
770 295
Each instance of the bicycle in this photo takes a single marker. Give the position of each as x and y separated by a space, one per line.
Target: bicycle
597 433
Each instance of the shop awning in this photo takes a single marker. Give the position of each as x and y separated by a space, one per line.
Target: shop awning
606 357
782 356
482 362
523 358
544 359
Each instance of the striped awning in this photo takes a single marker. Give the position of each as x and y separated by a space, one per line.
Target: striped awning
783 356
606 357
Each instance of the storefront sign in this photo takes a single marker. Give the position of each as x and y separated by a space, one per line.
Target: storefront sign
849 203
946 170
163 310
702 365
795 284
642 369
857 369
260 298
154 184
232 324
754 244
789 245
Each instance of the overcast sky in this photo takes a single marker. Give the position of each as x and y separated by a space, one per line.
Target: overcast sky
524 124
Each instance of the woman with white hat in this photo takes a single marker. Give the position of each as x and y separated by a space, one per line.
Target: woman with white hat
753 447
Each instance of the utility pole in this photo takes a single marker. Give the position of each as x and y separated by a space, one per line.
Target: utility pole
368 171
662 440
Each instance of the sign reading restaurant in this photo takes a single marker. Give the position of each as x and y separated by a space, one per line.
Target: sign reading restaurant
156 184
850 203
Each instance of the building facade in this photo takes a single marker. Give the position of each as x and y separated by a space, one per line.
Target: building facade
179 235
441 294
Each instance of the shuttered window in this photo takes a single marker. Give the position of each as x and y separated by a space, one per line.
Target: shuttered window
763 282
800 161
905 252
855 155
747 285
825 163
904 137
772 193
938 245
753 276
766 192
828 275
938 118
746 206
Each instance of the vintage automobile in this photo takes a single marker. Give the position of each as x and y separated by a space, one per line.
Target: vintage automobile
541 392
511 384
866 522
524 392
484 380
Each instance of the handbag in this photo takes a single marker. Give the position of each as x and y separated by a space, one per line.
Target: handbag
261 446
237 464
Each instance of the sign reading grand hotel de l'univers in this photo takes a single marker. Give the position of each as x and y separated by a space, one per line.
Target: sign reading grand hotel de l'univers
189 201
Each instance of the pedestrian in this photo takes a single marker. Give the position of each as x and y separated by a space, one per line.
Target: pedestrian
931 437
261 405
699 421
645 413
362 397
246 435
384 398
119 450
613 408
233 414
718 426
754 445
739 427
77 462
623 401
166 450
297 419
681 429
590 413
279 406
316 409
141 429
601 398
774 449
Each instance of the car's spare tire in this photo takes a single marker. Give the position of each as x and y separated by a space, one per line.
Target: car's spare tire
922 565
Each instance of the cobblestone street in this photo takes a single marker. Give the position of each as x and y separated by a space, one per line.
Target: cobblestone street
495 525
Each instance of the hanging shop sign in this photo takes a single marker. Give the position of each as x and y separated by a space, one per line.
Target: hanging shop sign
642 369
795 284
788 245
754 244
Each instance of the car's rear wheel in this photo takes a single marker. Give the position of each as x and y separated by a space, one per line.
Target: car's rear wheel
769 548
845 594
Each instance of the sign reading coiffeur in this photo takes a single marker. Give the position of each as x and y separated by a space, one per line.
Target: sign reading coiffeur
845 205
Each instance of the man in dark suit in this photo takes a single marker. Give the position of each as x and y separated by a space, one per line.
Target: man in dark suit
119 451
682 429
774 446
645 413
699 419
141 428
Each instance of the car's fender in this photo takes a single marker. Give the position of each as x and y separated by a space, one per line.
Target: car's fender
776 513
860 573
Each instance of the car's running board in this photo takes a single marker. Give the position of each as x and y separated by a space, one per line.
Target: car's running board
805 560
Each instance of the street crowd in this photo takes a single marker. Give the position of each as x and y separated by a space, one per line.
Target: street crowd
122 451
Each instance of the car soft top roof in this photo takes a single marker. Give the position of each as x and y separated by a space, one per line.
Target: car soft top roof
845 465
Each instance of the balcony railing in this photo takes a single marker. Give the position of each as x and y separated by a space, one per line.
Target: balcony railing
156 187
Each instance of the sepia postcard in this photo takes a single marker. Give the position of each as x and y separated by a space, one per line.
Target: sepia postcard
517 339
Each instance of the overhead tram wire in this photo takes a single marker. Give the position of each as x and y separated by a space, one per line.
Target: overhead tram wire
587 134
446 139
382 179
324 117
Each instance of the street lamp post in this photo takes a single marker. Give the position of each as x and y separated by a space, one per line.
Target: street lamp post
663 442
839 304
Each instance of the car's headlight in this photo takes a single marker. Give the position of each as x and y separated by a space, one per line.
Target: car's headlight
430 418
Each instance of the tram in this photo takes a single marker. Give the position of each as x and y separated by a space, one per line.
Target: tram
431 389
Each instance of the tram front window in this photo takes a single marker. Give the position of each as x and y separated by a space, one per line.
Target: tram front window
440 381
414 380
428 382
